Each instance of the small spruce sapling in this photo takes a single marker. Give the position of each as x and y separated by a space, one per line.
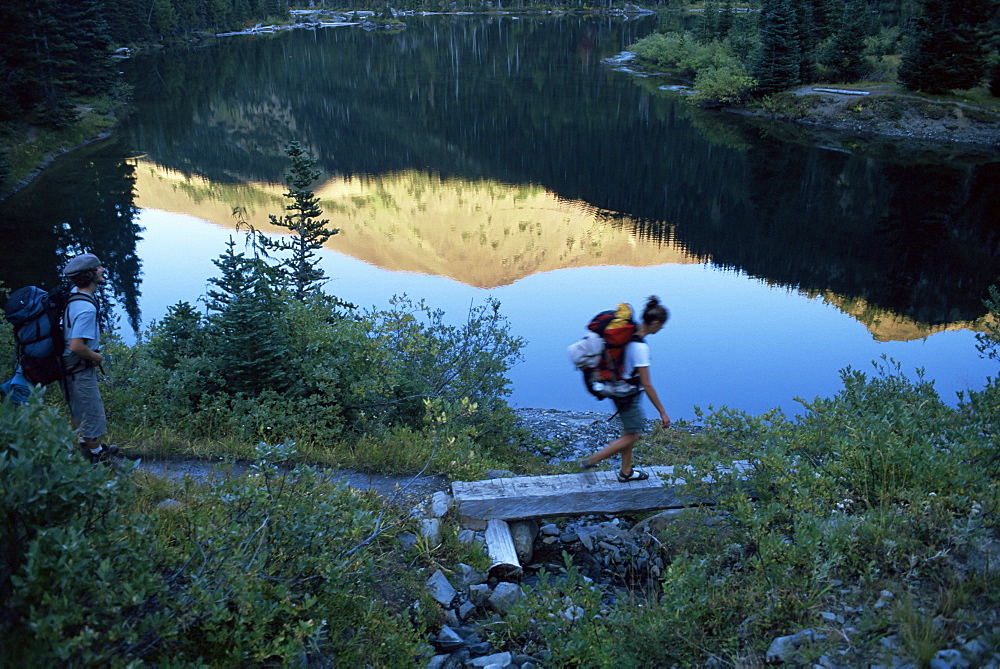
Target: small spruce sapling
310 232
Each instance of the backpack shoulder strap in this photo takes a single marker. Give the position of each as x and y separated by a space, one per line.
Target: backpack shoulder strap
78 297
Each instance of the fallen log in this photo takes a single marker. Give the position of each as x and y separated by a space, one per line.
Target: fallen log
500 546
841 91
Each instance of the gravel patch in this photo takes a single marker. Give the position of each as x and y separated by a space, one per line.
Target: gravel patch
566 436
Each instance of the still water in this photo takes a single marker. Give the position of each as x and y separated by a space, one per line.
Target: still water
474 157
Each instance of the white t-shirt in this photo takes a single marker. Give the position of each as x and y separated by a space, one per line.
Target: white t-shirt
636 355
81 323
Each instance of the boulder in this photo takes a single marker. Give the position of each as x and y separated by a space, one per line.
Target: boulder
660 522
466 576
480 595
448 638
430 529
440 504
441 589
784 648
523 532
549 530
504 596
498 660
466 610
407 540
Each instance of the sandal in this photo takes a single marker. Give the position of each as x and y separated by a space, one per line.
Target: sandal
636 475
584 466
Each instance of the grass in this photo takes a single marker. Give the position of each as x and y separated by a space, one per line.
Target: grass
399 451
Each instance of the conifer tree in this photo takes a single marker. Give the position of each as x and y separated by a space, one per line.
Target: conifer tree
845 53
53 50
777 64
947 45
181 335
825 16
245 335
309 231
725 22
807 40
708 25
240 276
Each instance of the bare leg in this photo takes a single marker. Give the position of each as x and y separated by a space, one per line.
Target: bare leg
623 445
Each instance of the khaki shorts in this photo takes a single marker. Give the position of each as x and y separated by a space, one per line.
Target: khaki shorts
85 403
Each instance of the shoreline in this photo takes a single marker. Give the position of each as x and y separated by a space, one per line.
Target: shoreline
49 159
876 110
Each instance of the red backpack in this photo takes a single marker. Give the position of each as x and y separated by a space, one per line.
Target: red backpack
600 355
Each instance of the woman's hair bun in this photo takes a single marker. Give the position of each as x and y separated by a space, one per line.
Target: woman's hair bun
654 311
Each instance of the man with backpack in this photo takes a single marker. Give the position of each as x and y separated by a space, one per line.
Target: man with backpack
81 357
636 370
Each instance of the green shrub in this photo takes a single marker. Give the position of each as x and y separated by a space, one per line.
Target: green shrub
725 85
886 42
273 565
74 570
268 569
880 488
678 52
720 78
988 341
871 486
342 372
563 613
6 333
275 358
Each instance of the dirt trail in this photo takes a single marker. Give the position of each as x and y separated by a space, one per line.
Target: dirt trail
406 487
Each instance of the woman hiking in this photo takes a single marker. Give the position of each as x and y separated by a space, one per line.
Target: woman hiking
637 359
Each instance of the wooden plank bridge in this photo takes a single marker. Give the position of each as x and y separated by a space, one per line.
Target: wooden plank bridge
492 503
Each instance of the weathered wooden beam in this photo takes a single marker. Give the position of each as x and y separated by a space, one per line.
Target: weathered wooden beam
572 495
500 546
841 91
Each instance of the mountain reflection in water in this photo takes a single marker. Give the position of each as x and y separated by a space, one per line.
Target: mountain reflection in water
483 234
466 157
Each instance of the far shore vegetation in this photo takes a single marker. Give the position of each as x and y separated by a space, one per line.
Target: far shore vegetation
735 57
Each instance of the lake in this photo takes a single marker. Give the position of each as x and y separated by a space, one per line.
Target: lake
476 157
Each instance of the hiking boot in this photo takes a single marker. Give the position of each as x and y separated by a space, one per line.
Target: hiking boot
105 457
110 448
102 456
